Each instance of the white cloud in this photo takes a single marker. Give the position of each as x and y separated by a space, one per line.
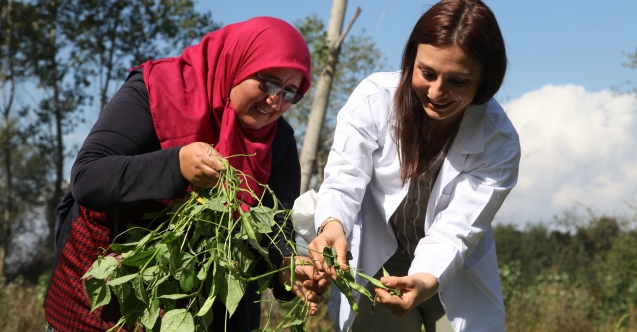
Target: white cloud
577 147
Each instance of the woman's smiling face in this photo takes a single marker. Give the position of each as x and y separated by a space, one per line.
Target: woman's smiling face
446 80
254 108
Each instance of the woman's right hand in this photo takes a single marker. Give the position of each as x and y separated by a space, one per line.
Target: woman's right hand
200 164
333 235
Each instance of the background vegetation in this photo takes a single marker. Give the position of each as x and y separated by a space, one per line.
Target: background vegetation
583 278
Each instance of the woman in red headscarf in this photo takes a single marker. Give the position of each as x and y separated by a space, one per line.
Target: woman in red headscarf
153 141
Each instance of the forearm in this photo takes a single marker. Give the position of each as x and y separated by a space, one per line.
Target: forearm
120 162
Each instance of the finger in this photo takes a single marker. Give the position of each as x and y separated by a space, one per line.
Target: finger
214 162
341 255
313 309
314 298
395 282
315 257
314 287
218 155
381 295
207 179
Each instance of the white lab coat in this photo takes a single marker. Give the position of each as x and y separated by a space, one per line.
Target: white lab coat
362 189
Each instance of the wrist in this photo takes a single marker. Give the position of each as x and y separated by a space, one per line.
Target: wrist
429 284
330 222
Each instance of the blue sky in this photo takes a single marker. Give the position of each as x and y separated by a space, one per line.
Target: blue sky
577 136
548 41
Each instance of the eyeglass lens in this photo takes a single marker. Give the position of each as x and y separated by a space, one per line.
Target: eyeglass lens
272 89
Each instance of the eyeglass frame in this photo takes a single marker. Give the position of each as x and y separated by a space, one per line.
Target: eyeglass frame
269 87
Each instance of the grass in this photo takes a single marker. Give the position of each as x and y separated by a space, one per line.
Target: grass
21 305
548 307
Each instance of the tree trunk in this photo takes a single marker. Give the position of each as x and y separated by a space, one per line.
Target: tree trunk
110 63
56 195
5 229
322 92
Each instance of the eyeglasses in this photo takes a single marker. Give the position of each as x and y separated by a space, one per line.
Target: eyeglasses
272 89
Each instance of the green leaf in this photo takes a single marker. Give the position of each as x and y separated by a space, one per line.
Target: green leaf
140 289
151 273
205 226
98 292
121 248
177 320
144 240
189 281
196 210
121 280
263 218
102 268
295 324
203 271
176 296
231 292
243 258
169 237
163 255
132 308
150 315
217 204
182 265
138 258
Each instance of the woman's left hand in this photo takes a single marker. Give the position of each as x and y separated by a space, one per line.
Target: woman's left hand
415 289
309 284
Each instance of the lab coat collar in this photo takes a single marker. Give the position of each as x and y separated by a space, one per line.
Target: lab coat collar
470 138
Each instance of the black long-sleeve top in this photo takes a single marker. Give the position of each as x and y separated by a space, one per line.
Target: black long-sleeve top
121 165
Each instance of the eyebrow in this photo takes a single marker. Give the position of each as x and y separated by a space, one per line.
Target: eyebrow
455 73
274 78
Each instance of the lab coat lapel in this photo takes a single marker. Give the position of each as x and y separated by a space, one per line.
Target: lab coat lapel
468 140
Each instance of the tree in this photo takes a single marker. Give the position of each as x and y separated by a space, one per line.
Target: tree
322 91
62 86
111 36
75 43
632 64
15 18
358 58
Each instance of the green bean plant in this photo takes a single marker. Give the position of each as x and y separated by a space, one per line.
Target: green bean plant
166 278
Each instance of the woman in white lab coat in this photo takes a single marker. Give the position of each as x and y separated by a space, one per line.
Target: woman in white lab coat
421 162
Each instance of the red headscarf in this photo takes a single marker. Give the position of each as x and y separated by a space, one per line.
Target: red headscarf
189 94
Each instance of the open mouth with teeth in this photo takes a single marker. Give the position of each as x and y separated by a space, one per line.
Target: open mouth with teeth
440 105
262 111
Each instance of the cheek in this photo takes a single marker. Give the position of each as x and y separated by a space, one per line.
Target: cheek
420 86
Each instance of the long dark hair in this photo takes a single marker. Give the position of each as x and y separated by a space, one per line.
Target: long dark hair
468 24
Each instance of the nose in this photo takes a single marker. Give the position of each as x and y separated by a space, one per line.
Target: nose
274 101
436 90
